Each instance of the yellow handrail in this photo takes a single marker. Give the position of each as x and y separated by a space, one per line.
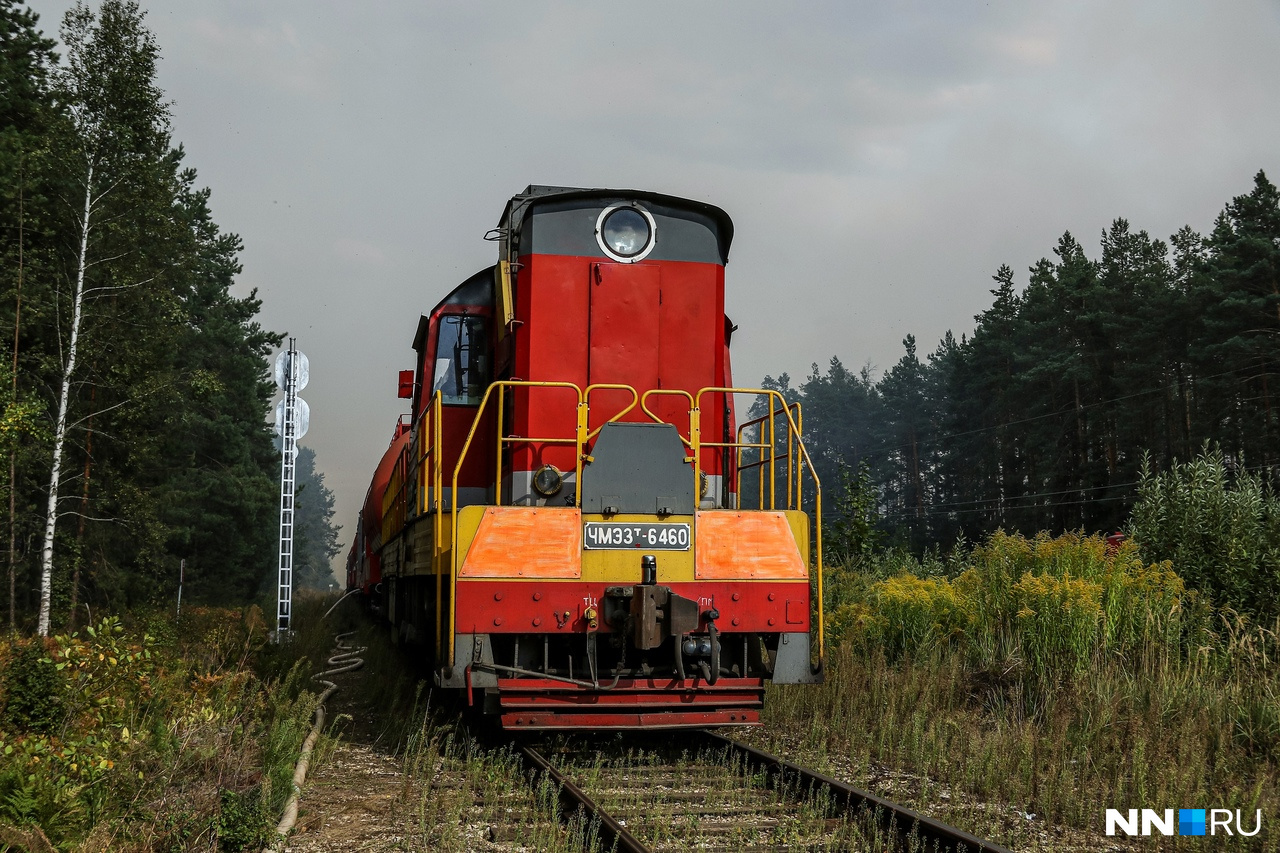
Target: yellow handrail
579 440
655 392
794 497
778 406
437 467
605 386
793 429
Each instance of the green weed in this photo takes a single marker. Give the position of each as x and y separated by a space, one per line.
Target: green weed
1051 676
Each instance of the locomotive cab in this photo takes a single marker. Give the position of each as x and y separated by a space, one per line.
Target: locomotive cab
575 527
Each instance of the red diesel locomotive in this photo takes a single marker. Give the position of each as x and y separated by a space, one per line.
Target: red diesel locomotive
570 522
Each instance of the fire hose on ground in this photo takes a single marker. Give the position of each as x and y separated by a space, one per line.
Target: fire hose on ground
345 660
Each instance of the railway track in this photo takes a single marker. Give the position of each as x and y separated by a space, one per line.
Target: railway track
708 792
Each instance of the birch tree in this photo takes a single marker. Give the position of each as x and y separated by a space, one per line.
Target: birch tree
116 138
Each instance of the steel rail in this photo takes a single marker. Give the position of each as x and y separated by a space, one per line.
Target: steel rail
613 835
891 816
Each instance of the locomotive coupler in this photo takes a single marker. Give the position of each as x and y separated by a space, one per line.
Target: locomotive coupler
658 613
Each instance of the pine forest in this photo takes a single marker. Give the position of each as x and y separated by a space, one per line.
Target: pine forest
135 385
1081 379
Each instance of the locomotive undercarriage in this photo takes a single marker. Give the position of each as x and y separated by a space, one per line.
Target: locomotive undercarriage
598 661
651 660
544 681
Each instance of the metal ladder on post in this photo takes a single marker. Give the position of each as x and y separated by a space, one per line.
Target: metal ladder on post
289 455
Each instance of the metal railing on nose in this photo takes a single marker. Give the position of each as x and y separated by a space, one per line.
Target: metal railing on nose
578 440
795 499
797 461
793 434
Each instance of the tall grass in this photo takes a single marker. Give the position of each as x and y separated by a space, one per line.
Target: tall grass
1051 677
1046 607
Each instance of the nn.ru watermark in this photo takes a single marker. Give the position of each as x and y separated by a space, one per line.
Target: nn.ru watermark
1188 822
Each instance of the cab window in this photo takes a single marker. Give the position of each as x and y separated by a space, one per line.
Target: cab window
462 359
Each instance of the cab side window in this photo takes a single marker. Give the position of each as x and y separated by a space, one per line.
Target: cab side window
463 360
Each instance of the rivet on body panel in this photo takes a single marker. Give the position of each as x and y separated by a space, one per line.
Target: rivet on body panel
497 620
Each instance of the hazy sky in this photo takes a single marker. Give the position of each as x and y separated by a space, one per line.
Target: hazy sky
880 160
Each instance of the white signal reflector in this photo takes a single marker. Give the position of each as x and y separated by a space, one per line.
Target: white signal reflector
301 418
282 370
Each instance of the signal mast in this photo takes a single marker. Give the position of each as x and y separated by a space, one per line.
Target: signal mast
293 416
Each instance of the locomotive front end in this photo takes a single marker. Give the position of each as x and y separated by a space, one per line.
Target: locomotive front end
636 608
579 529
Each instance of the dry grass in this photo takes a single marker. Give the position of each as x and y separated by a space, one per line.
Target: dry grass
1119 690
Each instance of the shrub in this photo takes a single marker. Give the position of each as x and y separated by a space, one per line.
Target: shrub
1058 621
165 741
918 613
851 535
33 688
243 820
1220 527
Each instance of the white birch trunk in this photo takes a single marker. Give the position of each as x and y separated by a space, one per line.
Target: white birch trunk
60 431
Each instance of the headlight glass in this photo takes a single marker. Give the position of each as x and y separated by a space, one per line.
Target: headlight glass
547 481
626 232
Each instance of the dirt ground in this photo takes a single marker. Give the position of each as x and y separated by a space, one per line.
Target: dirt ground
355 794
358 798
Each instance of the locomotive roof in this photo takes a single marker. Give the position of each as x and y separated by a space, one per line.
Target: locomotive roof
518 207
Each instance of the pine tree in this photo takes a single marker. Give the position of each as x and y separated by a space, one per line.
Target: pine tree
1239 308
986 402
210 481
906 463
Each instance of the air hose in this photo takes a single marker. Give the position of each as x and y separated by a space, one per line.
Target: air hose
345 660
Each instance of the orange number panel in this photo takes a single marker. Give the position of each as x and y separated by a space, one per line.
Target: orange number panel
526 542
745 544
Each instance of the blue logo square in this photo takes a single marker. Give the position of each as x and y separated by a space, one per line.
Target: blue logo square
1191 821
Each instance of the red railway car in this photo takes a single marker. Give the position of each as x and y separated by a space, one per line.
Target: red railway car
570 522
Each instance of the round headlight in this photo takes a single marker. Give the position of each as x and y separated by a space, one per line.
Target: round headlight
547 481
625 232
